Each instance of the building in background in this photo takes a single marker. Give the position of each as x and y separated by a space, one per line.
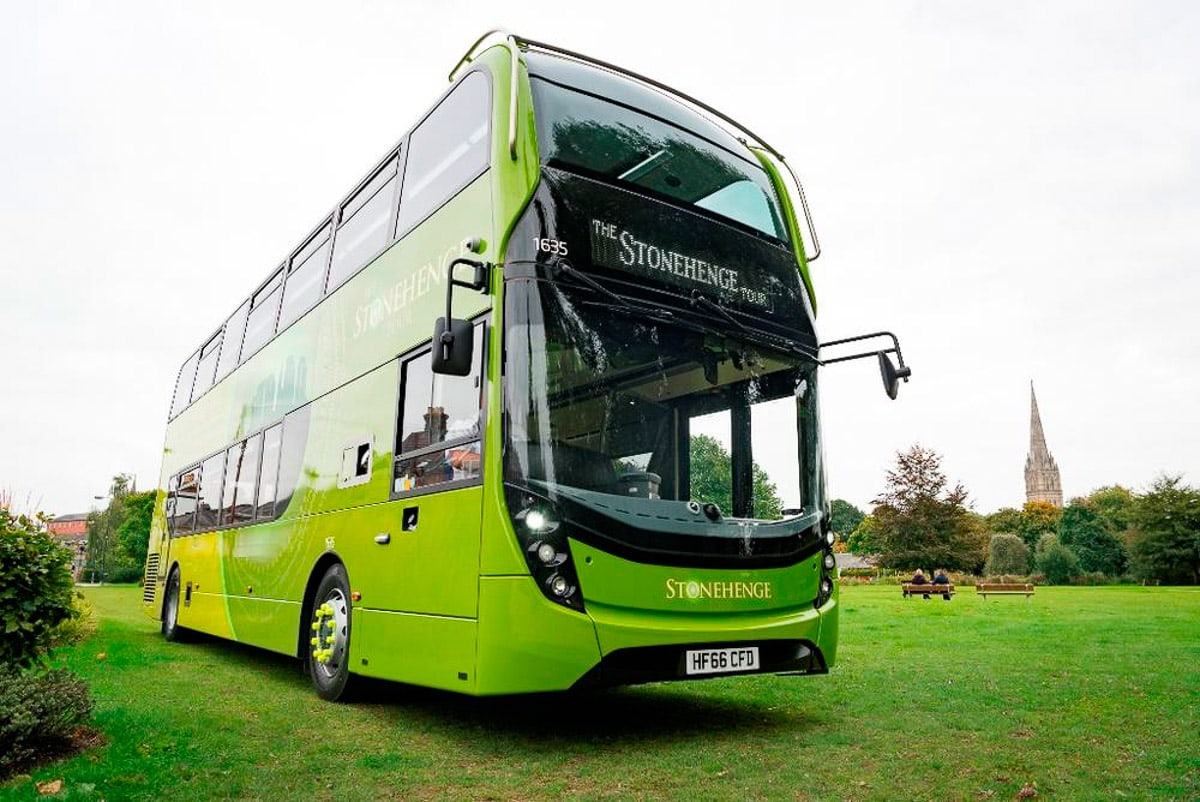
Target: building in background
1042 481
71 531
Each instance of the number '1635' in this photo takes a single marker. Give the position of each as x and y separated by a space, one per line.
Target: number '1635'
554 246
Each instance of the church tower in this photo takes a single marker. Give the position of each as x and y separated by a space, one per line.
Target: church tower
1042 482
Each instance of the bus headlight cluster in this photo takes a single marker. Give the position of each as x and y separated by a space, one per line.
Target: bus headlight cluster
543 539
828 570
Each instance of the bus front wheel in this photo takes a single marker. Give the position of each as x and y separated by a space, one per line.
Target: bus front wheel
329 635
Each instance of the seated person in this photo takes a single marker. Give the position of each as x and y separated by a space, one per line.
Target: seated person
919 579
941 578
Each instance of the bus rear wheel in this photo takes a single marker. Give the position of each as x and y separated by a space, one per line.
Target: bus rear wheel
329 636
170 618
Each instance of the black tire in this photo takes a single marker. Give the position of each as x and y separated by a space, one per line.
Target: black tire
170 613
327 631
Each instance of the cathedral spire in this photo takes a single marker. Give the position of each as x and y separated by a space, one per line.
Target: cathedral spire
1042 481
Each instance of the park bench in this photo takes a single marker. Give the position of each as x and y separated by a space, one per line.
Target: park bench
1003 589
914 590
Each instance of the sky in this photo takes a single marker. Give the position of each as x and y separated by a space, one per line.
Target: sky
1013 188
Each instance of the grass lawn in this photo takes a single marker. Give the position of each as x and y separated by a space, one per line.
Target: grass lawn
1091 693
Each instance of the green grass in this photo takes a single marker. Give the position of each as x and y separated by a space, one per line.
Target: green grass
1091 693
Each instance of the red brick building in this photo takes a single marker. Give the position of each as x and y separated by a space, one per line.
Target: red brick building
71 531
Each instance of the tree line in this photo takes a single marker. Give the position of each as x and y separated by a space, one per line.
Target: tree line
118 536
920 520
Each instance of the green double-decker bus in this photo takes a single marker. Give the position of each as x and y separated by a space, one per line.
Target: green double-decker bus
533 408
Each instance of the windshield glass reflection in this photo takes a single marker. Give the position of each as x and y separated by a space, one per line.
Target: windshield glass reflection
603 402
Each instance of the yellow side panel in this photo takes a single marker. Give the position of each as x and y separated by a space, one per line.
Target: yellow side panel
424 650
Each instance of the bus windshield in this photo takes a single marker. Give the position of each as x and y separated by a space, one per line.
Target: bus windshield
605 139
611 407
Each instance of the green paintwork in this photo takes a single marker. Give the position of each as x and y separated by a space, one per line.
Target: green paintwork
449 604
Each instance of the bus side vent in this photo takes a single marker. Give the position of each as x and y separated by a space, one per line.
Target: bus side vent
150 582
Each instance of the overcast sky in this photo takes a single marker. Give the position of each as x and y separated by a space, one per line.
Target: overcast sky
1013 188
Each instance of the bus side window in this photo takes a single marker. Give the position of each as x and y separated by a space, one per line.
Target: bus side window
306 277
439 423
183 386
172 495
208 500
184 521
291 457
447 151
264 308
234 329
269 476
365 225
206 368
241 476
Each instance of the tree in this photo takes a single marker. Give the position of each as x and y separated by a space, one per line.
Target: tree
1037 519
1114 507
844 517
712 472
1166 545
865 537
921 522
1006 519
1057 562
133 534
1007 554
1083 531
110 556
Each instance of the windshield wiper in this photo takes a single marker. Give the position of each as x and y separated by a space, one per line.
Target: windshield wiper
563 268
615 302
702 300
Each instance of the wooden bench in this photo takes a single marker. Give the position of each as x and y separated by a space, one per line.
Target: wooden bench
920 590
985 589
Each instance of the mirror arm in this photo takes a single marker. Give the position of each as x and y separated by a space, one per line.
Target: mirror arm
895 349
478 282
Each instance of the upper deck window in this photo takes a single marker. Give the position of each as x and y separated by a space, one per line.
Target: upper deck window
306 278
364 227
264 309
646 148
183 386
447 151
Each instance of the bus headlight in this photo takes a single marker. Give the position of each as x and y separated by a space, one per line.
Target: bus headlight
828 571
543 538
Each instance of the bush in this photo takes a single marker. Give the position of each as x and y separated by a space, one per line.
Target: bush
1007 554
40 713
78 627
36 592
1056 561
124 571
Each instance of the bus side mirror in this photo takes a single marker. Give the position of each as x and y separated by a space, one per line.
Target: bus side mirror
454 340
453 346
888 371
891 374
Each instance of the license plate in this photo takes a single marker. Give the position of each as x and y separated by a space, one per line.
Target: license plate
721 661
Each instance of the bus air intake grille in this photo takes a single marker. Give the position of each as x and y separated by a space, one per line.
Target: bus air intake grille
150 582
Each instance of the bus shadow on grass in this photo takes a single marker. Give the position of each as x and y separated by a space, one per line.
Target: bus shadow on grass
649 713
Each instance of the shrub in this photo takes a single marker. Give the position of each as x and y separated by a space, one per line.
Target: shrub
1056 561
125 571
36 592
78 627
1007 554
39 715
